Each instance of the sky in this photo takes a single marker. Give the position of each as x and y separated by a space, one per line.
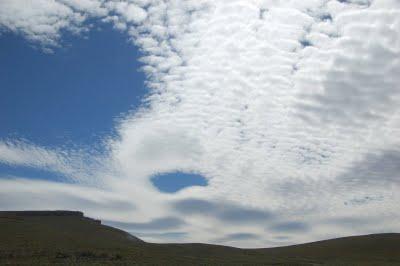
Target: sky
251 123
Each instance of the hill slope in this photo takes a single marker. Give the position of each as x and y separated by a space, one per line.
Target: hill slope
70 238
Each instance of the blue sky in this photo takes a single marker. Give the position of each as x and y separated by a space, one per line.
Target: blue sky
71 96
265 123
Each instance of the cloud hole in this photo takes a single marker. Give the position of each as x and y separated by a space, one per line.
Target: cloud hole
175 181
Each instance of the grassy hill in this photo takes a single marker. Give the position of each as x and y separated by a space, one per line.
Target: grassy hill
51 238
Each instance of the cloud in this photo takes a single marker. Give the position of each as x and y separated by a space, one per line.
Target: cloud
20 153
379 168
238 237
350 222
89 7
156 224
74 165
226 212
129 12
194 206
288 108
290 227
356 87
45 21
25 194
364 200
40 21
166 237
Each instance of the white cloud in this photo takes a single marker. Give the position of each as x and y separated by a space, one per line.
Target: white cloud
277 103
129 12
20 153
80 166
40 21
44 21
91 7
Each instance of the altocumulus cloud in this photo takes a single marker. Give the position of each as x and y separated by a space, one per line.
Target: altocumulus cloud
276 103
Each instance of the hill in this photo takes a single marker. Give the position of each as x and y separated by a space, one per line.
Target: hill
63 237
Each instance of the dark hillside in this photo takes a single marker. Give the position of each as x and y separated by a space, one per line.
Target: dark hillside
378 249
70 238
38 234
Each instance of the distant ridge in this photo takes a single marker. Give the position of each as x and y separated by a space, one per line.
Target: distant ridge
42 213
70 238
56 213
